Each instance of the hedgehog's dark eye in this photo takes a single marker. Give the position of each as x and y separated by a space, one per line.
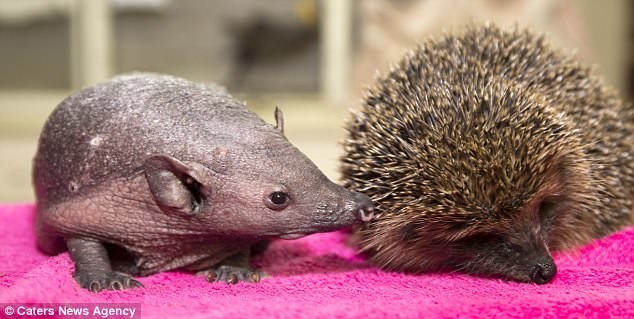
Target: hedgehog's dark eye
481 239
278 200
546 209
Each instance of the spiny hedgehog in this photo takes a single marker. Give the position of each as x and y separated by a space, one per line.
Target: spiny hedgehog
486 151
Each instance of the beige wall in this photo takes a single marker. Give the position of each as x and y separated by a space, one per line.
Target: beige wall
597 30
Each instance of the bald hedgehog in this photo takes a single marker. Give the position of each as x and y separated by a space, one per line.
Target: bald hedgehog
485 152
148 173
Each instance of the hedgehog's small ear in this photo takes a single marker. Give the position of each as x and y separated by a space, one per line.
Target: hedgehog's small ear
174 185
279 120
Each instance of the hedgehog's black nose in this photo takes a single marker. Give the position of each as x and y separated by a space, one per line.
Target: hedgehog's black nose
543 271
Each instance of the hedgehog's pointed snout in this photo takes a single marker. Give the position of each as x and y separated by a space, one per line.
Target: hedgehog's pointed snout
543 271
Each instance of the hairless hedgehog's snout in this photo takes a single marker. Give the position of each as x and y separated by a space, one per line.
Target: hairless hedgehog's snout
353 207
366 214
363 208
341 209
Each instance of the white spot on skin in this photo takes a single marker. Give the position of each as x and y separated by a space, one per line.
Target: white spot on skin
96 141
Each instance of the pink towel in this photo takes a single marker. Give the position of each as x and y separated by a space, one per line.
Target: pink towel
320 277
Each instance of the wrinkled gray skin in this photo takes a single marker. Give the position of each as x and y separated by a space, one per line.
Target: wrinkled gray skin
148 173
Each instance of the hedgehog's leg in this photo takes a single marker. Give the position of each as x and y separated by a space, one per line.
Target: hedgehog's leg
234 269
92 266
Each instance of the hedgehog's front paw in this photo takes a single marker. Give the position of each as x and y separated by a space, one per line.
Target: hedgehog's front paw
232 274
96 282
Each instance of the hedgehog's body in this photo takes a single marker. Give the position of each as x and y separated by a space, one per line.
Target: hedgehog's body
485 152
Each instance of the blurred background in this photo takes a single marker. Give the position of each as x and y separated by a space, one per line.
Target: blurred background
312 58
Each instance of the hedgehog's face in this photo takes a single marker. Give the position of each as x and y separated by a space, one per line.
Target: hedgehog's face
512 244
500 256
510 247
494 187
509 233
511 186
